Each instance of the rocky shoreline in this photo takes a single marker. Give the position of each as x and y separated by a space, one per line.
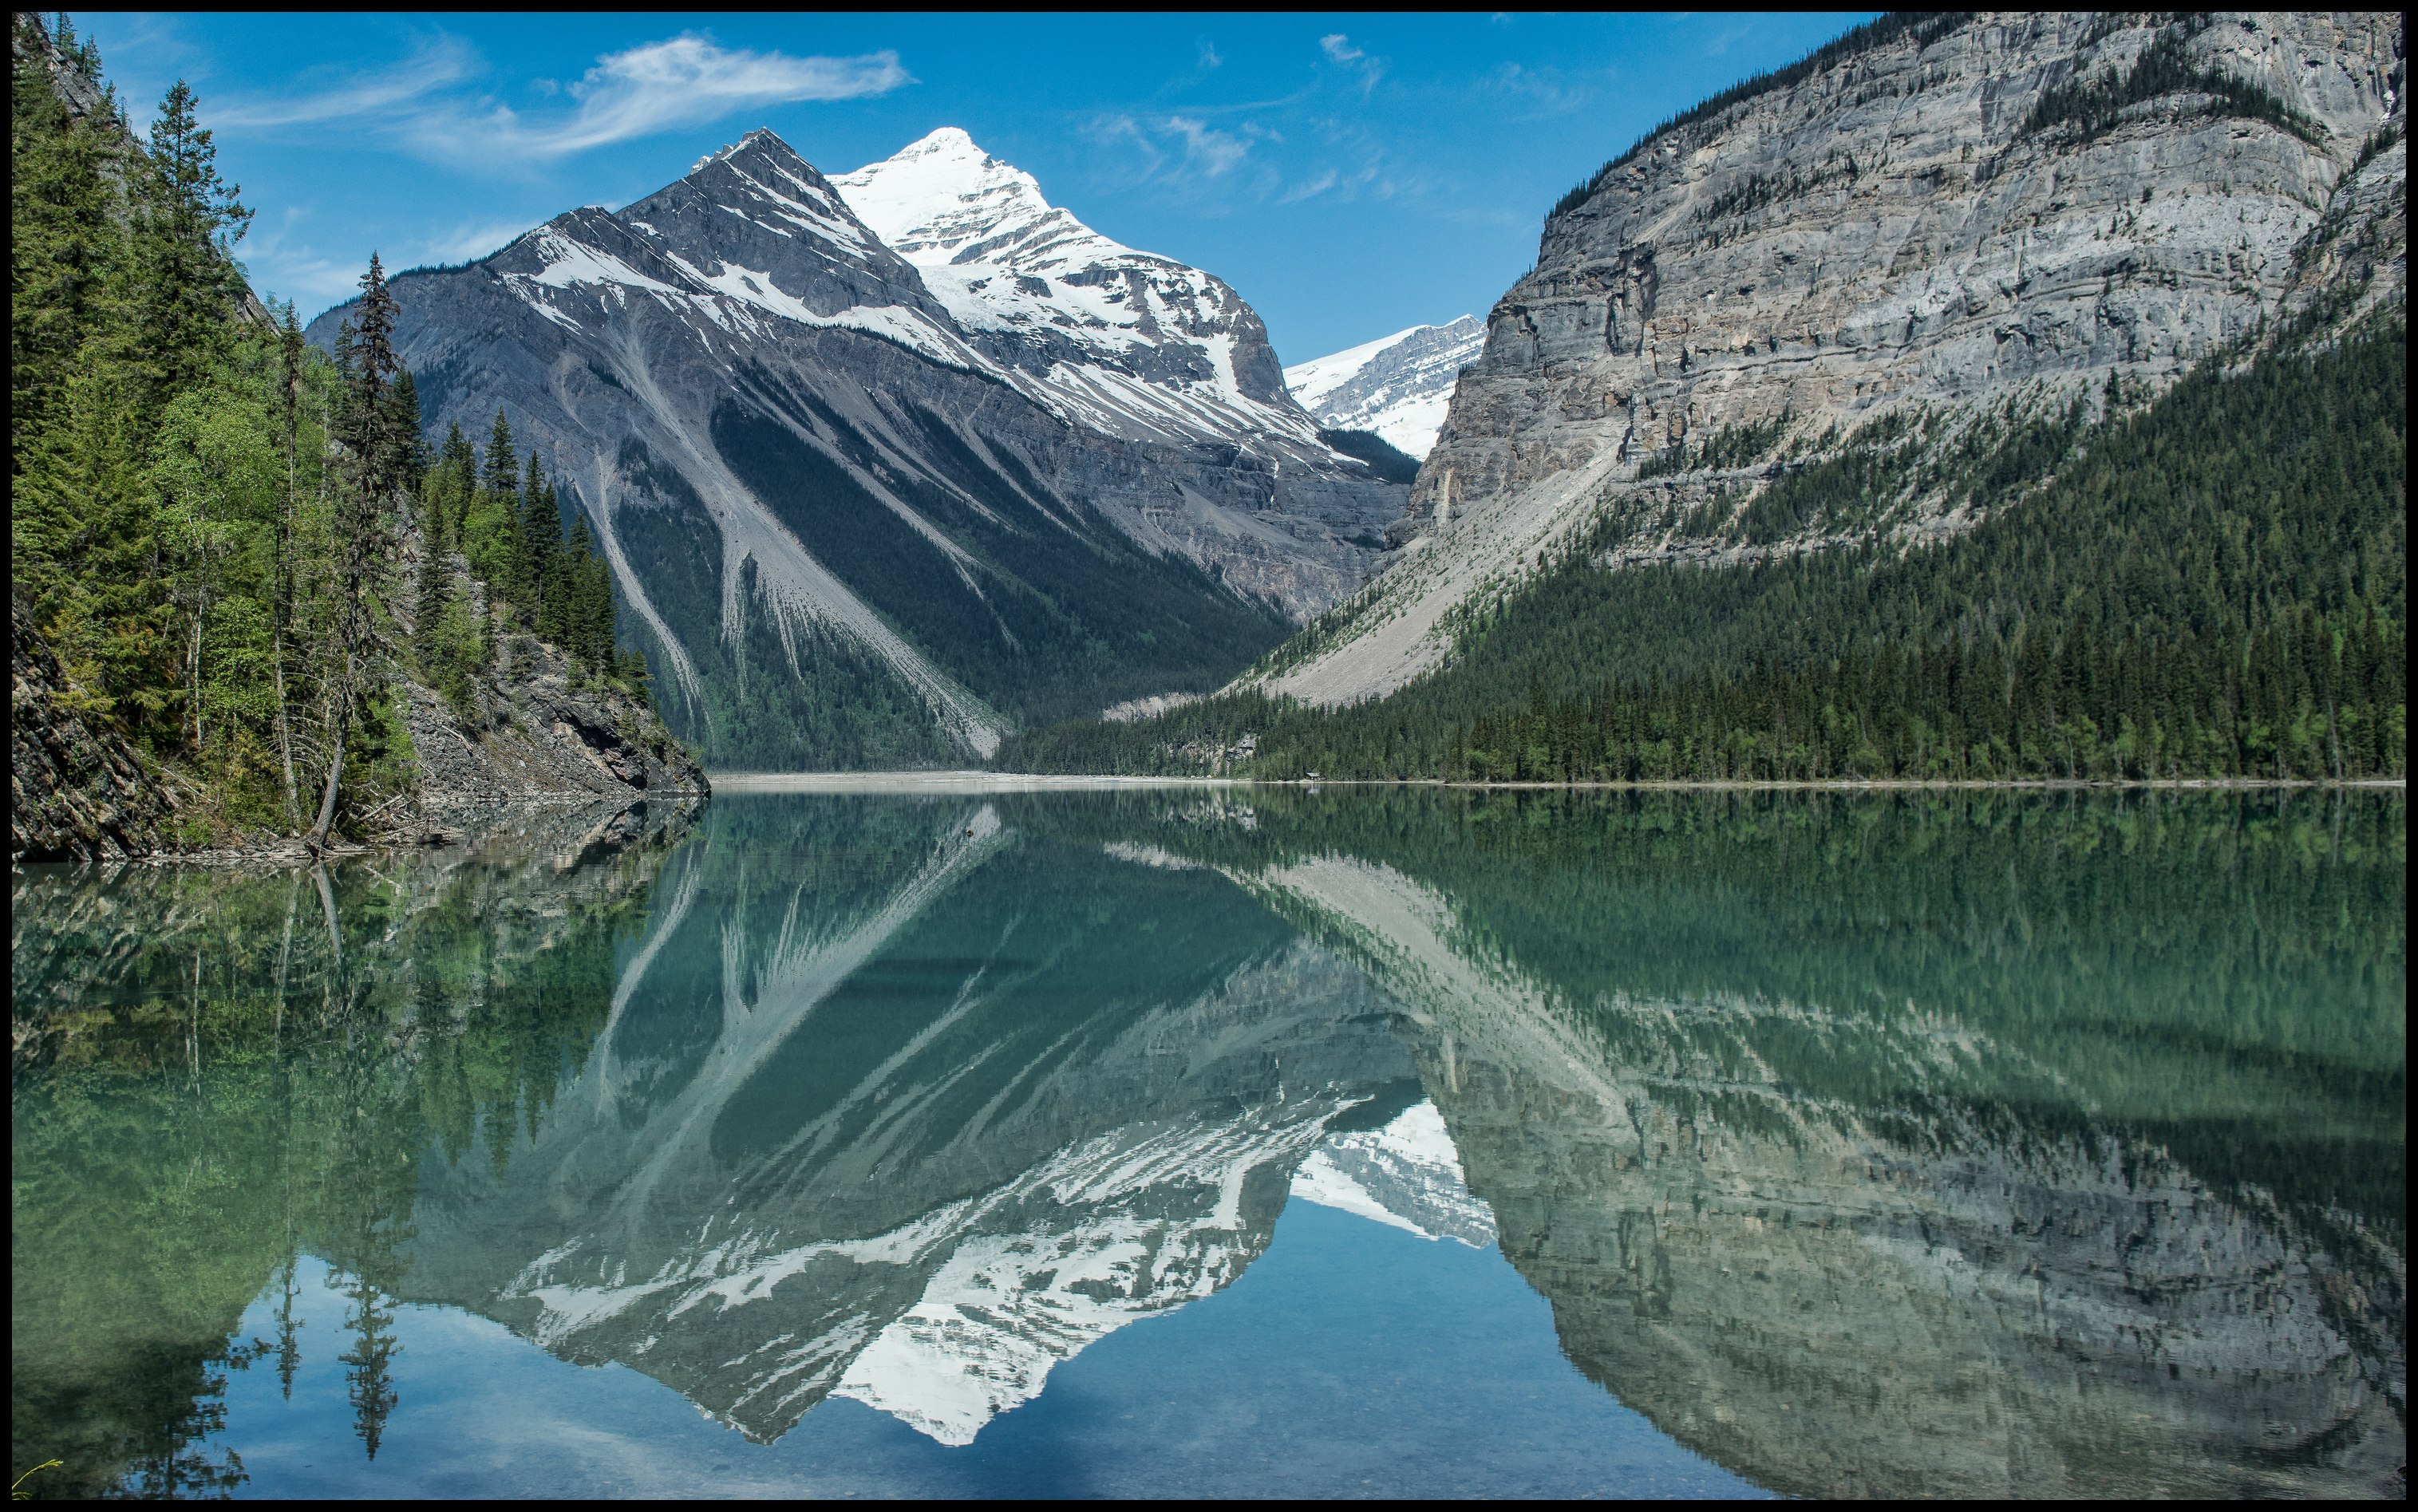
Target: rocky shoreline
526 739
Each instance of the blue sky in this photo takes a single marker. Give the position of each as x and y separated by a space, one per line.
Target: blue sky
1351 174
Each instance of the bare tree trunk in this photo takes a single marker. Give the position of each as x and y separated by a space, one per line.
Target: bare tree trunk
284 734
318 836
193 670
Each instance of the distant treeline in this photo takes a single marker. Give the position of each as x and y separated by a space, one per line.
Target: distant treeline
2210 587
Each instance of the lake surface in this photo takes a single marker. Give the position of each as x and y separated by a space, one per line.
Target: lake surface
1232 1142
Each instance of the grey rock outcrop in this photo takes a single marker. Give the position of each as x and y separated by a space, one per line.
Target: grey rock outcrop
75 793
529 728
1923 217
534 734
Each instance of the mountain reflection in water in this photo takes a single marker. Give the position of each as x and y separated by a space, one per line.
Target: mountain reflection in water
1971 1145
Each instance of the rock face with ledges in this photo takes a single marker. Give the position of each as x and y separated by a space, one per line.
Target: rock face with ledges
1894 226
75 793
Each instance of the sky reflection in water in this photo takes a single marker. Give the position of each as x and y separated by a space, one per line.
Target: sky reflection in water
1952 1145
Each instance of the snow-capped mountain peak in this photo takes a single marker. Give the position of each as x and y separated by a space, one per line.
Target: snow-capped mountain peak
1398 386
1120 340
944 199
1406 1175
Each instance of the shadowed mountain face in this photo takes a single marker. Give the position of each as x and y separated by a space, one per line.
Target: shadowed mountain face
1866 1146
853 530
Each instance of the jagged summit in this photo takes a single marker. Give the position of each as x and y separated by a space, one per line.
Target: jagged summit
1122 341
942 199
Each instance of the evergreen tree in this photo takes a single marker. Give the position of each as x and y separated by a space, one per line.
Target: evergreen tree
491 535
378 451
190 220
66 253
541 536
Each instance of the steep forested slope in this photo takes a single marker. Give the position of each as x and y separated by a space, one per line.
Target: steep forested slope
238 569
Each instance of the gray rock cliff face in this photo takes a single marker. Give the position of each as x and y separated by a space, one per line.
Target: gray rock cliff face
801 465
1895 226
75 793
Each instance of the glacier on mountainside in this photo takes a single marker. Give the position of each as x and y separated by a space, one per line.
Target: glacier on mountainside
1398 386
1124 342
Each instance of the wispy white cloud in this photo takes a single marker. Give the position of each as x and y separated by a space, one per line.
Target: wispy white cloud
1118 129
1215 153
436 66
466 241
1340 51
1182 149
661 87
1544 89
681 82
1209 58
1309 189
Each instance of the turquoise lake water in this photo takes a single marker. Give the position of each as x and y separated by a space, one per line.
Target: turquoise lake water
1232 1142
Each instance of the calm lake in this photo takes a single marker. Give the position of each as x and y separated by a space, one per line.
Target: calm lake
1232 1142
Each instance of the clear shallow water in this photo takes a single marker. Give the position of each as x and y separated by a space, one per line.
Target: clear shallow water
1246 1144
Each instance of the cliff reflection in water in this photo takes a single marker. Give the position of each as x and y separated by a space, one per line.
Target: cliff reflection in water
1869 1146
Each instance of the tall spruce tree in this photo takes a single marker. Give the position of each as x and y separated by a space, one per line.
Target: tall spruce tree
494 542
281 592
65 250
188 220
377 452
540 538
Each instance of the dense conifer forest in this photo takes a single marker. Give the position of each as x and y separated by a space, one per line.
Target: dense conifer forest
237 545
2211 585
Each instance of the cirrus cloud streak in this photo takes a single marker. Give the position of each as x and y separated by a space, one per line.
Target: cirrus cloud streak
655 87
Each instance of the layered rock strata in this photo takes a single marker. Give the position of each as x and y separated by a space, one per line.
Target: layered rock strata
75 793
1949 214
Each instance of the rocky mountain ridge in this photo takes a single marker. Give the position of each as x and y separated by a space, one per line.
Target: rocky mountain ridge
1125 342
1398 386
855 530
1939 218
